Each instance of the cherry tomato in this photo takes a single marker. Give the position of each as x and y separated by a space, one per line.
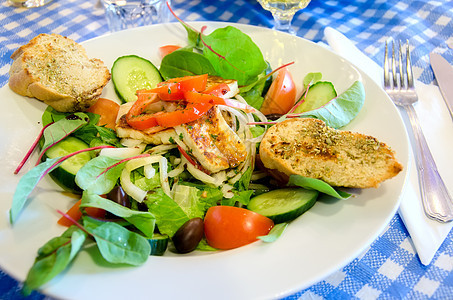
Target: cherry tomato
228 227
107 109
281 95
167 49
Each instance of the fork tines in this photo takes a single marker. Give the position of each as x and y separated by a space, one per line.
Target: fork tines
394 66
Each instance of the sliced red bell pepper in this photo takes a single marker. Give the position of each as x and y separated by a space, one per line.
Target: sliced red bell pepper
192 112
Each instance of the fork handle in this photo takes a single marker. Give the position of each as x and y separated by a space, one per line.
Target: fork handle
437 202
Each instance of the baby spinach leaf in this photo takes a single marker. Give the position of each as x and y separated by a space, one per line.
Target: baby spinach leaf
185 63
26 185
169 215
234 55
92 132
117 244
50 115
99 175
342 109
275 233
144 221
54 257
316 184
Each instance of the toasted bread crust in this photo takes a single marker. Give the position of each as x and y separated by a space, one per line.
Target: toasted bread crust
57 71
309 148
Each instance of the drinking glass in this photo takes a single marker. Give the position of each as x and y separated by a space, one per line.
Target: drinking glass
124 14
283 12
28 3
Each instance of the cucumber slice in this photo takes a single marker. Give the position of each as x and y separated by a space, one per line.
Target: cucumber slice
64 175
318 95
158 244
283 205
132 73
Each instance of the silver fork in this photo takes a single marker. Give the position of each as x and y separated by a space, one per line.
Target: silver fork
399 85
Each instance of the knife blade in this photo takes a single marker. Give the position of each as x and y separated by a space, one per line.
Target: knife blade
444 76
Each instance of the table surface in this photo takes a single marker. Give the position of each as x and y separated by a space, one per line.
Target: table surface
390 268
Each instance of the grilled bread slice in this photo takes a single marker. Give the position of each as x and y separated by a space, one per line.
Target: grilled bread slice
309 148
57 71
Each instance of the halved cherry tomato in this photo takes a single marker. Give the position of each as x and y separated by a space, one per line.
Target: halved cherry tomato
281 95
107 109
75 213
164 50
192 112
228 227
136 116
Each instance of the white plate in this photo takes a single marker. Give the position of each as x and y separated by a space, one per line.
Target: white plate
325 239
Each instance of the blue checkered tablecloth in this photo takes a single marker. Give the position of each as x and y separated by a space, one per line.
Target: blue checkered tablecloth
390 268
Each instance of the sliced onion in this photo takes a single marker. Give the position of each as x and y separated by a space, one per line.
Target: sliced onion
132 143
131 189
226 191
163 166
120 153
161 149
149 171
176 171
142 161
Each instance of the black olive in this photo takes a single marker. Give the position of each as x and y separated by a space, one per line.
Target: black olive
273 117
188 236
118 195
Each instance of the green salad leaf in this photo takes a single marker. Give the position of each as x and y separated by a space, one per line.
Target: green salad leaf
316 184
117 244
26 185
342 109
275 233
185 63
54 257
144 221
234 55
99 175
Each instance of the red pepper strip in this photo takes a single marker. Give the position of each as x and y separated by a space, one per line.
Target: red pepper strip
218 90
192 112
168 91
135 117
173 89
194 97
191 83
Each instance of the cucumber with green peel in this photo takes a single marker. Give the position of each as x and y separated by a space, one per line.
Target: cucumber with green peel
64 175
283 205
318 95
131 73
158 243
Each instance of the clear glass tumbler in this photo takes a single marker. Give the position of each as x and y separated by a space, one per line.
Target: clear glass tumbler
124 14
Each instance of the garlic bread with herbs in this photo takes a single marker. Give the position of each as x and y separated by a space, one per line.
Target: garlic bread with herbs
308 147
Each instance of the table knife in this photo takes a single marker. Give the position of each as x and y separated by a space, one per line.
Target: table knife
444 76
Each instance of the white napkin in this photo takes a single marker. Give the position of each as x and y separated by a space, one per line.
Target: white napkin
427 235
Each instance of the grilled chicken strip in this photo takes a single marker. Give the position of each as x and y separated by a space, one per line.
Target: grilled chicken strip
212 142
